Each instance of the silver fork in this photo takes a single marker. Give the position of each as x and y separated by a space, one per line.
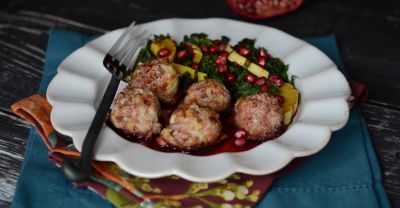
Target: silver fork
119 61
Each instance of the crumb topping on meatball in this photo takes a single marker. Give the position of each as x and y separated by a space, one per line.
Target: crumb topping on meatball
192 127
209 93
158 76
259 114
136 112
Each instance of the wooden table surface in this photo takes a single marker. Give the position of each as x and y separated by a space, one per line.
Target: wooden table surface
368 33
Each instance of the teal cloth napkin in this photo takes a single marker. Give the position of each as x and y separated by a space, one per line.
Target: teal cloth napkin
344 174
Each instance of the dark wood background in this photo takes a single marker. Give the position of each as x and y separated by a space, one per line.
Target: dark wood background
368 33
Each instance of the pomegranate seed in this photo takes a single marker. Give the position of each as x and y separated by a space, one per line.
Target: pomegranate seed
222 58
263 54
220 46
204 49
280 99
212 49
217 42
240 142
240 133
278 81
243 51
261 61
249 78
261 81
181 54
195 65
160 141
265 87
222 69
230 77
224 54
163 52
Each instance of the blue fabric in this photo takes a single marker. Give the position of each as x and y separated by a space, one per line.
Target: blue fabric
343 174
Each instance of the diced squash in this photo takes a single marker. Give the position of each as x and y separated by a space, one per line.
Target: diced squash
181 69
197 54
167 43
289 106
252 67
235 57
258 70
228 49
287 117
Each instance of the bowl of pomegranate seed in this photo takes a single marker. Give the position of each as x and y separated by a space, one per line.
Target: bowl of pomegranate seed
206 98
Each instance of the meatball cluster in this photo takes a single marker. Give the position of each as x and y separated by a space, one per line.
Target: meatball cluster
136 112
259 114
137 108
195 123
158 76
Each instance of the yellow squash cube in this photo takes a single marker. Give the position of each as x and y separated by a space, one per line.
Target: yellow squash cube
289 107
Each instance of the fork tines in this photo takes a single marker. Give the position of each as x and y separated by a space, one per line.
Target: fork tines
122 55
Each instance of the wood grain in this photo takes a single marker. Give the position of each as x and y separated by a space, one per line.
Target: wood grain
384 131
367 32
13 134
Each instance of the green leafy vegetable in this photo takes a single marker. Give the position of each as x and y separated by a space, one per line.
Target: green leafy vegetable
199 39
161 37
185 80
225 39
208 66
273 65
276 66
292 79
275 90
240 87
247 43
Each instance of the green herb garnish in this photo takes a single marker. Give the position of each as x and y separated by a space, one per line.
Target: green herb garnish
208 66
247 43
199 39
292 78
162 37
240 87
276 66
275 90
225 39
185 80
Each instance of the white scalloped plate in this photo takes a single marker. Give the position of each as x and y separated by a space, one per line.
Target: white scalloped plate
77 88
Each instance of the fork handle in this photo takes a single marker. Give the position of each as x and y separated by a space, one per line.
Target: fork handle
79 169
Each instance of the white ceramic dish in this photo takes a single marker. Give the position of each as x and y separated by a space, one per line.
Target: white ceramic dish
81 79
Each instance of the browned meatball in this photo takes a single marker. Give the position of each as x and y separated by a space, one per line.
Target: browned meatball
192 127
160 77
259 114
136 112
209 93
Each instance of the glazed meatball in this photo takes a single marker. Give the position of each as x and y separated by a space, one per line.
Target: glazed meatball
209 93
136 112
259 114
160 77
192 127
